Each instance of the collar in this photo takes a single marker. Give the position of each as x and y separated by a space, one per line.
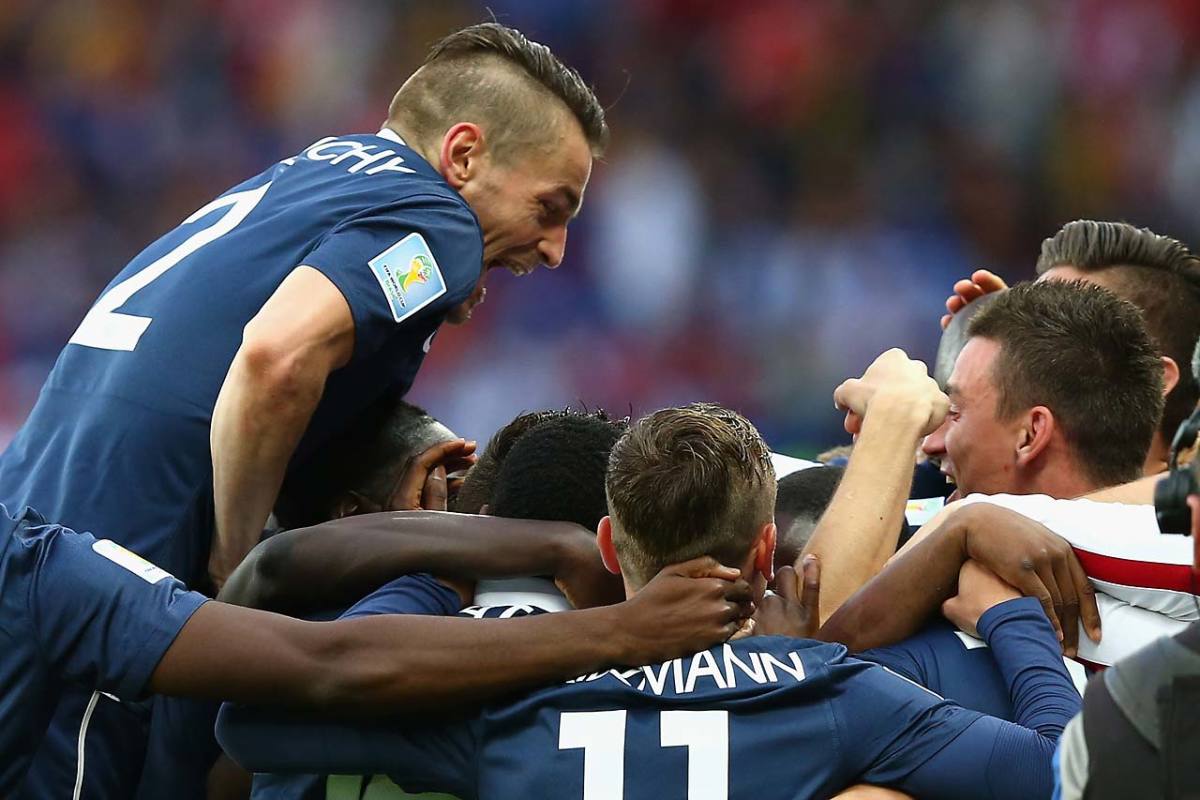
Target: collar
387 133
536 592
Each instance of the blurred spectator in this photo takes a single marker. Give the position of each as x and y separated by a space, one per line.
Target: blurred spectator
792 187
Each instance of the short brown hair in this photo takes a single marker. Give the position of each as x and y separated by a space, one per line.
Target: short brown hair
1085 354
1157 274
493 75
686 482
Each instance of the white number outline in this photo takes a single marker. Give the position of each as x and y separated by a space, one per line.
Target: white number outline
601 736
105 329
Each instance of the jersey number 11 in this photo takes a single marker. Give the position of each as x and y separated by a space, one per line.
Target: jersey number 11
601 735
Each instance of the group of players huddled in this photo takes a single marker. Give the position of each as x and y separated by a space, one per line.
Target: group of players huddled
228 422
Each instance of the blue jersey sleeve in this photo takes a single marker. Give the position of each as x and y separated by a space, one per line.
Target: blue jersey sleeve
933 749
1026 649
428 757
956 666
104 616
411 260
410 594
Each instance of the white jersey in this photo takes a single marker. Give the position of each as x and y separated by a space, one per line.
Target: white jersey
1143 578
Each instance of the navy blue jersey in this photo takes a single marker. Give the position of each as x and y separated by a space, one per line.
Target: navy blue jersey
118 441
74 611
952 664
411 594
760 718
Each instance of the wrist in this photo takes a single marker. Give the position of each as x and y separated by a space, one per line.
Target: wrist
900 410
1008 610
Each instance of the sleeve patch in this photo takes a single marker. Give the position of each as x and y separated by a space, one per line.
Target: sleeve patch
130 561
409 276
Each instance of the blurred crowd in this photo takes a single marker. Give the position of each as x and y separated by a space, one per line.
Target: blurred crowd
790 183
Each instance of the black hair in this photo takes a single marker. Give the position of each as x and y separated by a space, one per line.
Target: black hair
800 500
555 470
365 457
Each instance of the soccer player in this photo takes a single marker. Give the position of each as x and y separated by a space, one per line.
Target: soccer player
767 717
1156 273
553 470
77 611
1036 413
242 339
392 457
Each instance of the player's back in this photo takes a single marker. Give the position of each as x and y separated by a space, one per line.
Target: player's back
761 718
118 440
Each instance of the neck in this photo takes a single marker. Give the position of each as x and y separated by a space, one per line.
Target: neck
423 149
1156 459
1064 482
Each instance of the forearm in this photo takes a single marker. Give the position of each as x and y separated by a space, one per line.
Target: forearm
991 758
1027 651
377 665
858 532
897 602
338 562
260 415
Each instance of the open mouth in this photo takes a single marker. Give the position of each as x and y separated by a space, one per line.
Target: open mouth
956 494
514 267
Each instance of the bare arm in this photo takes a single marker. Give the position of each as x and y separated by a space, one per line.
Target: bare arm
301 334
373 665
913 586
890 408
338 562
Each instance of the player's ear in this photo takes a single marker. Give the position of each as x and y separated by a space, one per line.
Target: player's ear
1170 374
764 551
608 551
1034 435
463 148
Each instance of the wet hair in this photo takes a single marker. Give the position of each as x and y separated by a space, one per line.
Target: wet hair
686 482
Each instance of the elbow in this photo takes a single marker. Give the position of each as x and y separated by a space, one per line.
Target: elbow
278 371
254 584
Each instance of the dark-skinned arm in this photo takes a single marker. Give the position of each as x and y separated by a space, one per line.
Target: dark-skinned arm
1024 553
375 665
336 563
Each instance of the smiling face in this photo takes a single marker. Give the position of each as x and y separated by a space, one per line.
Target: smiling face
976 448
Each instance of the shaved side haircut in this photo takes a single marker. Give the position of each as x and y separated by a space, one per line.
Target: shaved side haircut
1156 273
515 89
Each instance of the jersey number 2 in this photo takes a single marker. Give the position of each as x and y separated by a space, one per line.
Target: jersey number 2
601 735
104 328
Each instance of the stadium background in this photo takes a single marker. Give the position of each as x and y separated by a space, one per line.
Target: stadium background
792 187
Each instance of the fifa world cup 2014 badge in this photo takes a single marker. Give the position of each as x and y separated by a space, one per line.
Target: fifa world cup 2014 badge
409 276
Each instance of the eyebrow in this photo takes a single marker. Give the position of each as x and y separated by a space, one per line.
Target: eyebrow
952 389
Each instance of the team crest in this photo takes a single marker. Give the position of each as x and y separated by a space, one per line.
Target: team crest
409 276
